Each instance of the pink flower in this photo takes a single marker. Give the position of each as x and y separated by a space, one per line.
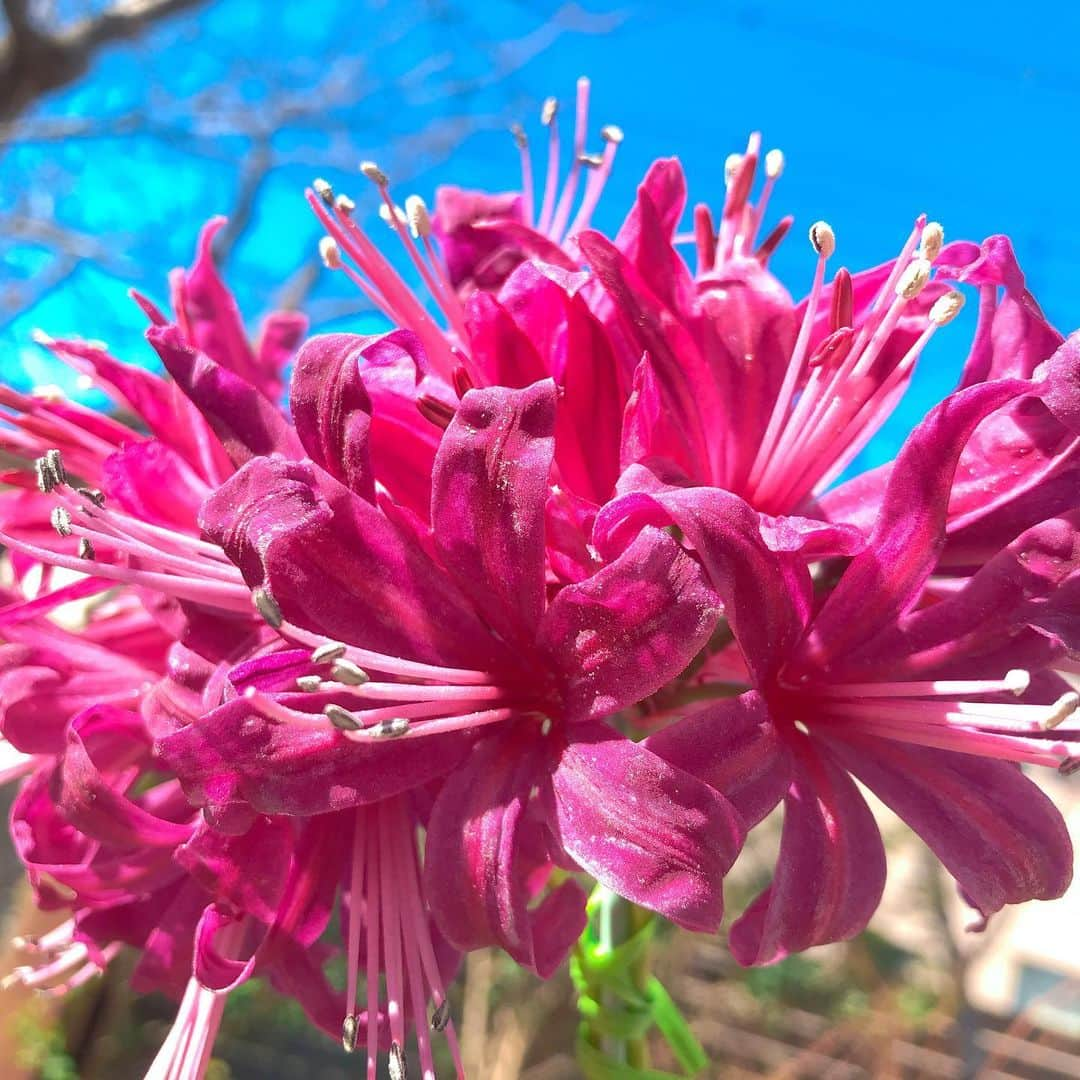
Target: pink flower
914 701
451 659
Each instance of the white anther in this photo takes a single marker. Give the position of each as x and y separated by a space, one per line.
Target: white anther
823 238
419 219
933 237
389 729
267 607
349 1029
323 190
548 111
343 204
612 133
345 671
330 253
520 138
341 718
384 213
1061 710
913 280
593 161
86 549
327 652
545 726
60 520
374 173
1017 680
310 684
945 308
774 164
731 167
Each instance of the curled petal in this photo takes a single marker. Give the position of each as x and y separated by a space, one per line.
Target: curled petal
830 873
650 832
624 632
488 496
734 747
993 829
245 421
332 410
476 862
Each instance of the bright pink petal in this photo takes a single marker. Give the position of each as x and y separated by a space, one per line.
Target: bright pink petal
245 421
332 410
487 506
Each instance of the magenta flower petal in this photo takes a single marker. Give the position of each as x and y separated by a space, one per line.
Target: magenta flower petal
86 797
247 871
887 578
766 595
621 634
207 312
347 573
830 873
332 410
154 483
245 421
734 747
233 757
998 835
650 832
475 867
487 505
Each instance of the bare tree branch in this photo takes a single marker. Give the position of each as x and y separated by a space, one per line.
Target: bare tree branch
35 60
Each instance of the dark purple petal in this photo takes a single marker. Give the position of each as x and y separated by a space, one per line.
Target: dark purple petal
634 625
887 578
830 872
232 758
993 829
766 595
487 505
345 572
734 747
475 862
247 871
647 830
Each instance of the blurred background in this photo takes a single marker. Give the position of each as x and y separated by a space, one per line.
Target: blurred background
124 124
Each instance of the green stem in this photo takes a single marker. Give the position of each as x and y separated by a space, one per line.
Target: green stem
637 1049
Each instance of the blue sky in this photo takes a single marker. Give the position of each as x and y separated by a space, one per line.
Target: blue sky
961 111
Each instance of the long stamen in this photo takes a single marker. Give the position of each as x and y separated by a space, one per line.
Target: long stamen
824 242
566 200
549 118
521 141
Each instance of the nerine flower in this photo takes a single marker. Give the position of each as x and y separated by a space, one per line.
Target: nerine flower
914 699
450 659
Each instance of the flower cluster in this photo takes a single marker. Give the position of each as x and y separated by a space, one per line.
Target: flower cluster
549 585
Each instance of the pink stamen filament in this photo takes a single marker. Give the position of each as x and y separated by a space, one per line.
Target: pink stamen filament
372 914
551 183
526 180
791 377
964 739
594 187
390 294
391 665
448 302
937 687
218 594
391 918
566 200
